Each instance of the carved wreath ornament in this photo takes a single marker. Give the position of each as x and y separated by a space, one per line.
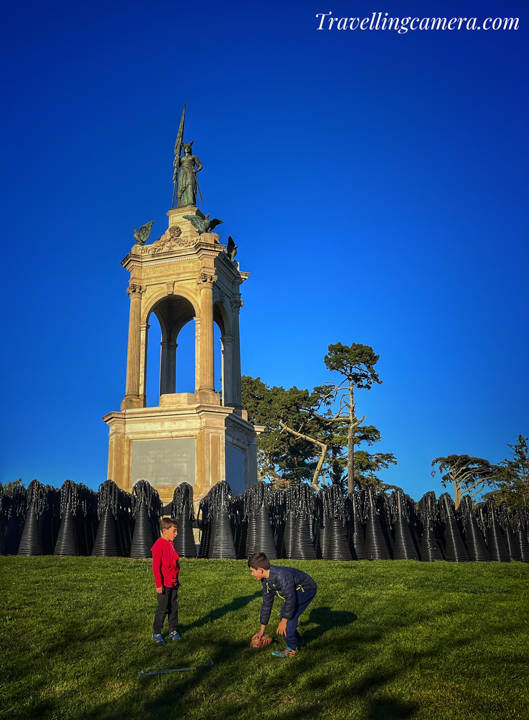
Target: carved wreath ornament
170 240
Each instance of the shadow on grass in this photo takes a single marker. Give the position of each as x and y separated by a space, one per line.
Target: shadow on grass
233 606
390 710
325 619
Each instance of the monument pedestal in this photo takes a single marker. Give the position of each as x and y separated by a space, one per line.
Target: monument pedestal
202 437
181 440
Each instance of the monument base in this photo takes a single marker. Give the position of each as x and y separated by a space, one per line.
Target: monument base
188 437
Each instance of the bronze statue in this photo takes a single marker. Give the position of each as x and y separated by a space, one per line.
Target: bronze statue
202 223
143 233
231 248
185 170
186 189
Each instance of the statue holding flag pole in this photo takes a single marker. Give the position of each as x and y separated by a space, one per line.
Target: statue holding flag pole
185 169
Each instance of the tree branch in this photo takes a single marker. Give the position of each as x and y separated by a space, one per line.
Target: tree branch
321 445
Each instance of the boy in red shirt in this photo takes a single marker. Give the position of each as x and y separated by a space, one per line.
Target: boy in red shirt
166 566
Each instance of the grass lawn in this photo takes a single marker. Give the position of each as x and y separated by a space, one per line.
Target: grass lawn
384 640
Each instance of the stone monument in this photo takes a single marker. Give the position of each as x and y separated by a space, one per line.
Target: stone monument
185 276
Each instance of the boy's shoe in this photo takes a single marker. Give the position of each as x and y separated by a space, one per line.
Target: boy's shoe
158 639
287 652
174 636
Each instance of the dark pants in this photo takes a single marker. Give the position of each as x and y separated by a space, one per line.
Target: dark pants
167 605
303 599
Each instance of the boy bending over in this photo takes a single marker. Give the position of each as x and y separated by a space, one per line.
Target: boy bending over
296 588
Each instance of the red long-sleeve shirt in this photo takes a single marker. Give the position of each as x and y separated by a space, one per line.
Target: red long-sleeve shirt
165 563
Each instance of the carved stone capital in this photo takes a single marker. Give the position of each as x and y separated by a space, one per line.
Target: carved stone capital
135 290
206 280
236 303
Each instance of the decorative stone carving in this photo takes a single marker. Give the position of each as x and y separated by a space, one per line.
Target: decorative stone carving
205 279
236 303
135 290
171 240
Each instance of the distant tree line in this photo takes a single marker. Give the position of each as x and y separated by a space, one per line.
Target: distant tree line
316 436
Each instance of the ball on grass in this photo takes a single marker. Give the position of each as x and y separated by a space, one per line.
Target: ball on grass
259 642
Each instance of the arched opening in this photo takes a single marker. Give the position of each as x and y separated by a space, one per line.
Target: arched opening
171 342
185 371
223 354
217 357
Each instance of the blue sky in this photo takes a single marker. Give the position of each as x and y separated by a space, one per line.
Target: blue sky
376 184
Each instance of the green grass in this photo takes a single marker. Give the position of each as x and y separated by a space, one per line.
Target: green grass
385 640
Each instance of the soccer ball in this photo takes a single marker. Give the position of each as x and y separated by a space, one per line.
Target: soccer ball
259 642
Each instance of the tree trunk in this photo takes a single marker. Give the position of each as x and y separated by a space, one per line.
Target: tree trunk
457 494
350 442
321 445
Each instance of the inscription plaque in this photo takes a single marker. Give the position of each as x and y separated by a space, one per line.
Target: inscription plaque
164 462
235 469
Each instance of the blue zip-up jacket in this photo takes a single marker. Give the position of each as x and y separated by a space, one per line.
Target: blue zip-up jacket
283 581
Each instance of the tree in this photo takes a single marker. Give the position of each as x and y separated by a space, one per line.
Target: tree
512 481
466 473
306 433
357 365
289 450
13 484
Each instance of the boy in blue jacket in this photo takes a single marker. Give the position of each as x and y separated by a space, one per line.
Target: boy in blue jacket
295 587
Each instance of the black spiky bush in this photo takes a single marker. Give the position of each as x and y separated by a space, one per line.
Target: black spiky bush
301 501
496 546
334 514
400 506
356 534
108 509
145 508
454 547
473 535
511 538
37 502
376 544
431 547
259 514
183 511
67 541
219 503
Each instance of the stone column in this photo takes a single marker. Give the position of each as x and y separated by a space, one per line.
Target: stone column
132 393
171 367
207 370
168 367
227 370
164 366
144 337
236 304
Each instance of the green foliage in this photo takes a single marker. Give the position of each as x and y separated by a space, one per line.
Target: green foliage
355 362
13 484
325 416
466 473
384 641
283 458
512 479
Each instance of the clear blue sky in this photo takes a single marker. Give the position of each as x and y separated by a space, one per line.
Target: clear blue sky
376 184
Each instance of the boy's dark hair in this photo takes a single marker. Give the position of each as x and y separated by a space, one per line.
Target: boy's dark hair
168 522
258 560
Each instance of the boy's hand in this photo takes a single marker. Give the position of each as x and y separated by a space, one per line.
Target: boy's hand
261 632
159 590
282 627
